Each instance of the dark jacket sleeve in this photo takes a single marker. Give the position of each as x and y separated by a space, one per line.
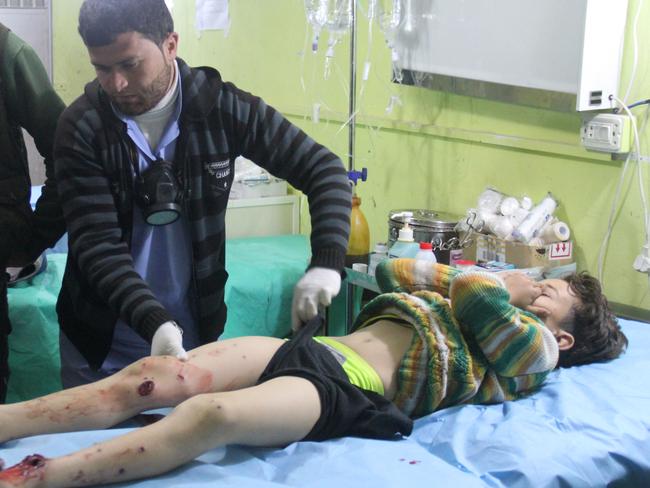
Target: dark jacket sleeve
35 106
274 143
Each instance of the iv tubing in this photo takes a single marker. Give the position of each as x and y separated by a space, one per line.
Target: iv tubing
637 144
612 215
372 7
613 210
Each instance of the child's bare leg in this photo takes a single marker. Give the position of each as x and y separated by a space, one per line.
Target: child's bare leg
274 413
149 383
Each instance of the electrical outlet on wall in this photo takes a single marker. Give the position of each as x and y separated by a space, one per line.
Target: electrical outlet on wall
611 133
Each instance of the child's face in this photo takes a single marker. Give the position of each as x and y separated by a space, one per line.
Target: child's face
554 305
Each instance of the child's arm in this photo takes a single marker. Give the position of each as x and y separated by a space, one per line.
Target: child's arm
513 341
408 275
523 290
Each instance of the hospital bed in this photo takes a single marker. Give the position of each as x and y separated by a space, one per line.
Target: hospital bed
587 426
265 267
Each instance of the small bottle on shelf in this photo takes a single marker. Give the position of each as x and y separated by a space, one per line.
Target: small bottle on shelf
426 253
405 246
377 256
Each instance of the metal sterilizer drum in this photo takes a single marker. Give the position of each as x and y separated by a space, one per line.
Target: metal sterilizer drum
428 226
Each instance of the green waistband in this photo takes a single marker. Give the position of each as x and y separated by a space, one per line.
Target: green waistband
359 372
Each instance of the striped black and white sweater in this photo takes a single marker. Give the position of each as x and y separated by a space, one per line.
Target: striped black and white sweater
94 172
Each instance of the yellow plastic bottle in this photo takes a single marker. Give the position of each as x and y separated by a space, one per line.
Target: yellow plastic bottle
359 244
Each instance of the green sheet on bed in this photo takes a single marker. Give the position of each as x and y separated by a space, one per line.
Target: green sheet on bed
262 274
34 340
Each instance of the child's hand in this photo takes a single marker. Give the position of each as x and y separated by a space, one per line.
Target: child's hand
523 289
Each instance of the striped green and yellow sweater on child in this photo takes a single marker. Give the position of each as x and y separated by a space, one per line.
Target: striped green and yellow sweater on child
476 349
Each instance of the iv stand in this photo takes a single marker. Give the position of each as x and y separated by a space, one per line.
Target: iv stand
353 174
353 86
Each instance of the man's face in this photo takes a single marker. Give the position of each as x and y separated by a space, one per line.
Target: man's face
134 71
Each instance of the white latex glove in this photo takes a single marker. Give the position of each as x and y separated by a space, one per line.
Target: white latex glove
168 341
316 288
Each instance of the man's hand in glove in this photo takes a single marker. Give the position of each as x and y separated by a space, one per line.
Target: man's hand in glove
315 289
168 341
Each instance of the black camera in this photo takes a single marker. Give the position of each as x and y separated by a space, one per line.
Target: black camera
159 193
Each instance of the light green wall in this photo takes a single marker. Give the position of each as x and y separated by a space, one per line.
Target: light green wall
436 150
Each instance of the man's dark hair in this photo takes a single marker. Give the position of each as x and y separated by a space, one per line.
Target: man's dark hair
101 21
597 334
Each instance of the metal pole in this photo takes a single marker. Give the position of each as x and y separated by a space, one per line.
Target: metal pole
353 85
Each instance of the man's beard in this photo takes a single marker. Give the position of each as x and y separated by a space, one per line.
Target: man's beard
149 97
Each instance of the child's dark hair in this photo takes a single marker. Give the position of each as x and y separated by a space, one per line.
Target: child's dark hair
101 21
597 334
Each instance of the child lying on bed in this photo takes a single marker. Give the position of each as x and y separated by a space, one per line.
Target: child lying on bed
412 352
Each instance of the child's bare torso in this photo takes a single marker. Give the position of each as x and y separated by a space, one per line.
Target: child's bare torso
382 345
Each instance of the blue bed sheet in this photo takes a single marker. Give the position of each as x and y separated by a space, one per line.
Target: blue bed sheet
588 426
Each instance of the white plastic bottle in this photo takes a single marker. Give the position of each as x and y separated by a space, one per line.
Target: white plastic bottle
554 232
377 256
490 200
405 246
535 220
426 253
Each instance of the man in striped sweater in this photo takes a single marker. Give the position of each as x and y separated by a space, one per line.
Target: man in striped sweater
144 166
413 352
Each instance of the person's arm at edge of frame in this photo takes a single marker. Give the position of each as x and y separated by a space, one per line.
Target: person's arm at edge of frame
36 107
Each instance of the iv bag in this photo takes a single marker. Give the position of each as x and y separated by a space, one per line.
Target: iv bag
339 22
390 19
339 19
316 11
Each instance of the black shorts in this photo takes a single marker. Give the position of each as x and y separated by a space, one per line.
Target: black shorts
346 410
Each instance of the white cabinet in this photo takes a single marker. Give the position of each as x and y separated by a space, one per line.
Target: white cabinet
265 216
559 54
